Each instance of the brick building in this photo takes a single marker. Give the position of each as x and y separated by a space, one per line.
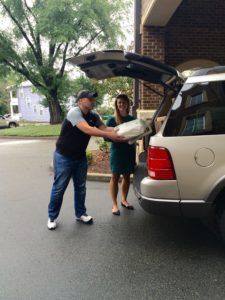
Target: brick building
183 33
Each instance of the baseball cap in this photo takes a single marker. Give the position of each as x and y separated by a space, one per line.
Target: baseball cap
86 94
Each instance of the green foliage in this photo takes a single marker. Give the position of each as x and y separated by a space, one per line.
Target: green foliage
104 111
84 83
44 33
102 145
118 85
32 130
3 107
89 156
110 87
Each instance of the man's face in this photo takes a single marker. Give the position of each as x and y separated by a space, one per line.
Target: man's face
87 103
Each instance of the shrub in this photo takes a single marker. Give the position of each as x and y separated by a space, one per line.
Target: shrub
89 156
102 145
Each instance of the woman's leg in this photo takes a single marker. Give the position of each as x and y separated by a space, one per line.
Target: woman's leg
125 188
113 187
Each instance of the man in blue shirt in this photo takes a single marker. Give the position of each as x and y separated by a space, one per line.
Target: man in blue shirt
70 156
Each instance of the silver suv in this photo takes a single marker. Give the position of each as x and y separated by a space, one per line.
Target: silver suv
182 169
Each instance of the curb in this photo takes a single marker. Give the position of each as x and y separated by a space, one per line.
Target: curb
92 176
98 177
103 177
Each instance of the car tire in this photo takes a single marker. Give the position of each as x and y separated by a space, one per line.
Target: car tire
12 125
221 225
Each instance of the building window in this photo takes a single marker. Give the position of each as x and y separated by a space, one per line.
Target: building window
15 109
34 108
28 102
196 99
41 110
194 124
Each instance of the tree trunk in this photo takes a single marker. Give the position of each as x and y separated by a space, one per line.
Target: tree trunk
55 111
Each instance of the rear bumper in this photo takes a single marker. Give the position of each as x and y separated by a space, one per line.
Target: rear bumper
158 205
195 208
171 207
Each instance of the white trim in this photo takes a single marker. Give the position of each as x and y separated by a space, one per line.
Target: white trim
206 78
25 83
158 13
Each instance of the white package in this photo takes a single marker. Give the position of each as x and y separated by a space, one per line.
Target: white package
133 130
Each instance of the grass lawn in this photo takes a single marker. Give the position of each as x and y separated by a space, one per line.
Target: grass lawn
32 130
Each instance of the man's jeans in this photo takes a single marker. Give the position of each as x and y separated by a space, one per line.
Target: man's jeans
66 168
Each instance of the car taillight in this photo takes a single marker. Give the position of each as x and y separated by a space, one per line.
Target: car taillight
160 164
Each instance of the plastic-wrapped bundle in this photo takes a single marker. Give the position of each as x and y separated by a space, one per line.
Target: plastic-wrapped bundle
133 130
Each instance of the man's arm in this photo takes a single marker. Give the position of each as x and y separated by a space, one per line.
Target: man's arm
102 131
106 128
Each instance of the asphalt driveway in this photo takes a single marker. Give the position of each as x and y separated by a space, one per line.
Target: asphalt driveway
134 256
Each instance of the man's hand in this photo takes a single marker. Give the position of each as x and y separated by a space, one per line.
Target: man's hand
112 135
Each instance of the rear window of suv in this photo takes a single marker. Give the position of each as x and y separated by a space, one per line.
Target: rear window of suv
198 109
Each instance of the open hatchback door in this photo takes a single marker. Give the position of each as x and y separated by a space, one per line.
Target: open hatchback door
106 64
113 63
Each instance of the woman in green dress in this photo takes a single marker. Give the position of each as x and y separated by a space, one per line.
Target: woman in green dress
122 155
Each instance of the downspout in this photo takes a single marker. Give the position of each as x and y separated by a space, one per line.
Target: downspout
137 49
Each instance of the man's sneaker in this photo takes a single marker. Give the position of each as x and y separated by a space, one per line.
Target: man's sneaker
51 224
85 219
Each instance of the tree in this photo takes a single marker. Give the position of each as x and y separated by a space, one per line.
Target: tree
84 83
3 101
3 94
118 85
42 35
109 87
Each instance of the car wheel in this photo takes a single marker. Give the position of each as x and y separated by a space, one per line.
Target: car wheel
12 125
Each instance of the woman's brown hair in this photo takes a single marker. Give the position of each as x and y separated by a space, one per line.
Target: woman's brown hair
117 115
